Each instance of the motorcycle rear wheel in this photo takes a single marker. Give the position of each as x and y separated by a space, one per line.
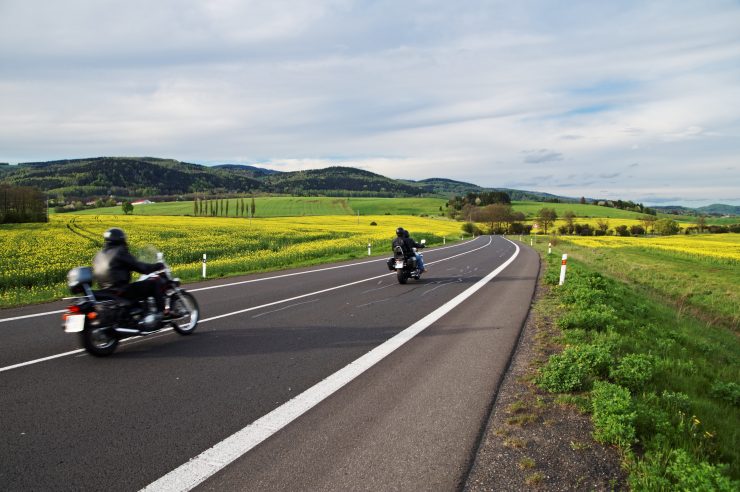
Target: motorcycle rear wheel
402 276
98 341
184 302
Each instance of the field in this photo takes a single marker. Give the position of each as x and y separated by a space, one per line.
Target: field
285 206
650 349
701 273
36 257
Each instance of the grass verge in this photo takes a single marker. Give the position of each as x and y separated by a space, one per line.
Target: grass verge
662 385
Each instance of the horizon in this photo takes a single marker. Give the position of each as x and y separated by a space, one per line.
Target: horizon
620 100
708 202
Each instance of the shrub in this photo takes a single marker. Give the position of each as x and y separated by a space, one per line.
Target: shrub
634 371
373 223
729 392
614 414
622 230
574 368
676 470
637 230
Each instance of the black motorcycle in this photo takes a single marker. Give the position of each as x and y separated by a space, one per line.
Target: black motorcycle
405 266
103 318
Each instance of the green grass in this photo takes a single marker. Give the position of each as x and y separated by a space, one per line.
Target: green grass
283 206
668 395
708 288
530 210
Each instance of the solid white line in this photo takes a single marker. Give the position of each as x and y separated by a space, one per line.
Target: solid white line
209 462
47 313
254 308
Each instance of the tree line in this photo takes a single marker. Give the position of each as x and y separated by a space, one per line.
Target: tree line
203 207
22 204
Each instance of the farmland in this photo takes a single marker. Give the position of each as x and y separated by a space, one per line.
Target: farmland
36 257
285 206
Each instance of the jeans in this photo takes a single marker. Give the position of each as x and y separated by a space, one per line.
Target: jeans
419 261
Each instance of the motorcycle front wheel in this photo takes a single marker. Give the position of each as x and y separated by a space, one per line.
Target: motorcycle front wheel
185 308
98 341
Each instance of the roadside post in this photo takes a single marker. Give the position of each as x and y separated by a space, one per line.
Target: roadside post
204 265
562 269
549 248
369 246
531 241
444 240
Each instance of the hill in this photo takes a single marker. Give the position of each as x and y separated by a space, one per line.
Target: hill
126 176
444 186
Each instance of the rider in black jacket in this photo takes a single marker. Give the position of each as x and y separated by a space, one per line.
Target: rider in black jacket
407 245
113 265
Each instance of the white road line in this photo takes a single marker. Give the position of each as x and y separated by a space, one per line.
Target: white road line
253 308
47 313
209 462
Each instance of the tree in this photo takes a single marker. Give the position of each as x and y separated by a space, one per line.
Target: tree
602 226
666 227
546 217
127 207
498 215
701 223
648 222
570 218
252 207
195 206
582 201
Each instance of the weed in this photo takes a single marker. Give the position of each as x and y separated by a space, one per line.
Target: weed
526 463
633 371
614 414
534 479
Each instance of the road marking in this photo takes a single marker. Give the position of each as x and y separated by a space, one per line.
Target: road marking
211 461
47 313
242 311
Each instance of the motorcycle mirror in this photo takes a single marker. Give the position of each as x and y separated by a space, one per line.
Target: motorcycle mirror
160 257
423 241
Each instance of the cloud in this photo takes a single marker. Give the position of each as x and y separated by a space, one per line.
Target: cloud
542 155
406 89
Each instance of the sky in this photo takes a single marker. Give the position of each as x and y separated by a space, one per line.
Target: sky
632 100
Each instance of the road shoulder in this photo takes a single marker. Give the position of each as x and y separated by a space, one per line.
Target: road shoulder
534 441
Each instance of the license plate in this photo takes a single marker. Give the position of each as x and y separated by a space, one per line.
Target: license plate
399 264
75 323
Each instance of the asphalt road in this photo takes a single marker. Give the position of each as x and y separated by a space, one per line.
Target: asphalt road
323 378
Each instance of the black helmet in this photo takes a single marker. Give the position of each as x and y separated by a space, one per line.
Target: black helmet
399 232
114 236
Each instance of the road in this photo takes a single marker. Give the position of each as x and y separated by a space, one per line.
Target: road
324 378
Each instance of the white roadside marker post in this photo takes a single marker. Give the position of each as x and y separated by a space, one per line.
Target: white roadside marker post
204 265
368 248
444 240
562 269
549 248
531 241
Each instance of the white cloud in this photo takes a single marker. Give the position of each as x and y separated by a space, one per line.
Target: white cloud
406 89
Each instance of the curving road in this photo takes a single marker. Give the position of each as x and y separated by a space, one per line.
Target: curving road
330 378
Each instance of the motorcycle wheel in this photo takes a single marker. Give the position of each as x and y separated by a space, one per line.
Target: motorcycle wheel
402 276
98 341
184 302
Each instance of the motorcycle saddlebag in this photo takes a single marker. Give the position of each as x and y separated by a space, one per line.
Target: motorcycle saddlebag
391 264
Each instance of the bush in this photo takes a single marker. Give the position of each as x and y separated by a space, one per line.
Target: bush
373 223
730 392
471 228
574 368
622 230
633 371
637 230
614 414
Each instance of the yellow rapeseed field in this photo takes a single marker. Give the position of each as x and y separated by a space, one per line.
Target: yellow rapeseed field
722 247
35 258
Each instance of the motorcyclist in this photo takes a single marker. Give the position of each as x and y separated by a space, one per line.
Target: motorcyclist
112 268
407 246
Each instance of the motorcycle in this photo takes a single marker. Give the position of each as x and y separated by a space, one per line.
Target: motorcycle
103 318
405 267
